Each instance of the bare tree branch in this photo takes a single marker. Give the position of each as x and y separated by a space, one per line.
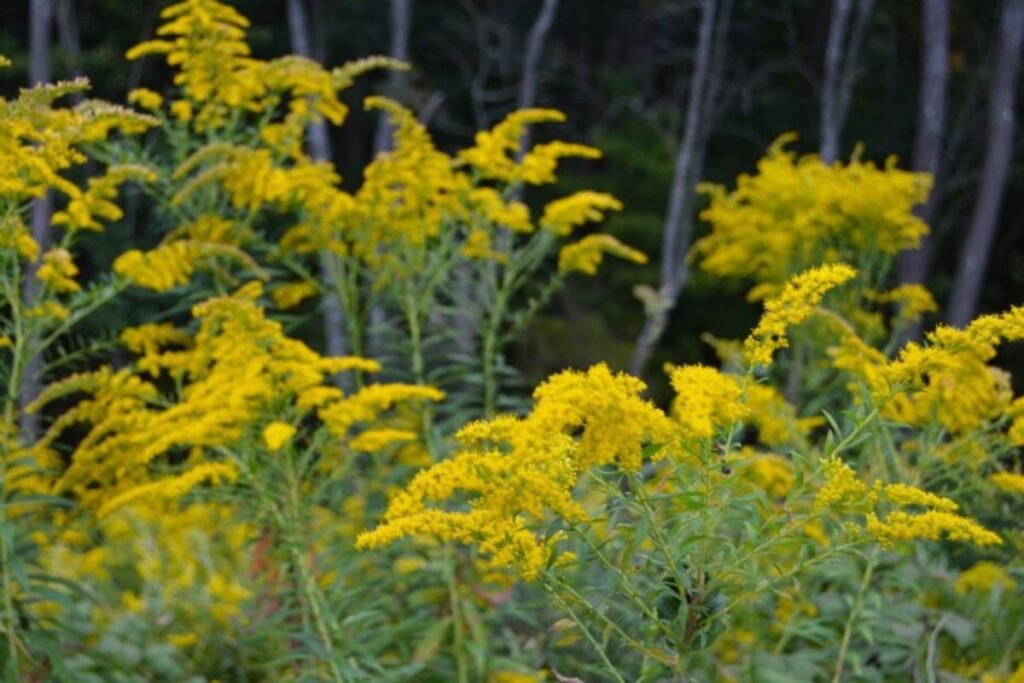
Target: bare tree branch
842 54
678 227
977 243
931 123
401 20
39 71
320 149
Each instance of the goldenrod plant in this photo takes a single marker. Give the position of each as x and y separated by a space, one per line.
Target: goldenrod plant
212 498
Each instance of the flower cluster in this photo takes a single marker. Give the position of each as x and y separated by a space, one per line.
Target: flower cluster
234 371
794 304
517 470
845 494
796 213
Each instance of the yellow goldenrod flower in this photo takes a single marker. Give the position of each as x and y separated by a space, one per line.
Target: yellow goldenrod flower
587 254
771 473
172 487
563 215
1009 482
58 271
843 491
931 525
146 98
513 215
983 577
797 213
948 378
477 245
901 494
795 304
173 264
913 301
85 209
292 294
493 152
373 440
534 473
277 434
706 400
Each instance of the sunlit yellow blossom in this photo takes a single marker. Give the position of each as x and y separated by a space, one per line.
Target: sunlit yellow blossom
983 577
901 494
39 142
373 440
292 294
707 400
539 164
912 300
478 246
843 491
798 213
14 234
949 378
494 150
58 271
86 209
277 434
181 110
48 309
586 255
794 305
151 342
204 41
1010 482
146 98
931 525
529 470
513 215
776 420
173 264
367 404
562 216
172 487
772 473
229 374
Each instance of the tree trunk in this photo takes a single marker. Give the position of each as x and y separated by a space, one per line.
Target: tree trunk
319 149
70 44
931 123
842 53
1001 123
401 19
469 318
531 61
138 70
40 25
678 227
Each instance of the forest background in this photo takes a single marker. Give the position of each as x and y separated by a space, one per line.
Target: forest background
673 92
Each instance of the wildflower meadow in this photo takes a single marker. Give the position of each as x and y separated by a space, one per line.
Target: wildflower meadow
204 487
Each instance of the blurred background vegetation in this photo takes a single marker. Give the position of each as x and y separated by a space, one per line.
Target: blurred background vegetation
673 91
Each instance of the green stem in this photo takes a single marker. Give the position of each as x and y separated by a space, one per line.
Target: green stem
842 445
291 526
8 436
854 613
490 353
586 632
458 632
